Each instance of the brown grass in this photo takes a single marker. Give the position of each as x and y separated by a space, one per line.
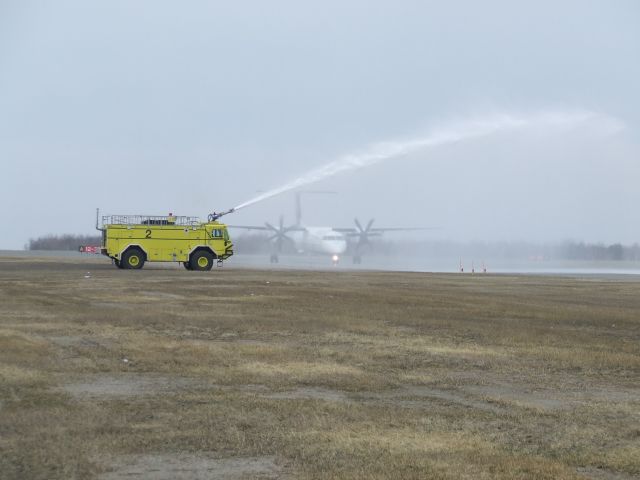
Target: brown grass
328 374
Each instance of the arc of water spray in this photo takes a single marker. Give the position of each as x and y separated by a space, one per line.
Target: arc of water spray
452 133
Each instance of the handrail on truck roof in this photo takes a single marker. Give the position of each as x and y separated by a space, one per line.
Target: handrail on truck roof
149 220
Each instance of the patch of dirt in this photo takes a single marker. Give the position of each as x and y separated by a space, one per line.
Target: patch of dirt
496 397
69 341
408 397
190 467
130 385
570 393
162 295
535 399
254 343
618 395
312 393
253 389
404 397
120 305
602 474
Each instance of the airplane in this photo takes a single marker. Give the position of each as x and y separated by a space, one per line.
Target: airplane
332 241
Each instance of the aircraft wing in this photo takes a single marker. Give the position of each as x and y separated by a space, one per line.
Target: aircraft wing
264 228
249 227
381 230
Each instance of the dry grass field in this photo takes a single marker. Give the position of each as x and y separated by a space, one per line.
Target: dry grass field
232 374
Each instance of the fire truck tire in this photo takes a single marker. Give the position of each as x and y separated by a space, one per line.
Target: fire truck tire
133 259
186 265
118 263
201 260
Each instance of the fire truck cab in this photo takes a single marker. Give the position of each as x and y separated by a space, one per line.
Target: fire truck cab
132 240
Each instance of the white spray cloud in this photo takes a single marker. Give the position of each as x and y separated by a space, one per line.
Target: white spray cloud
452 132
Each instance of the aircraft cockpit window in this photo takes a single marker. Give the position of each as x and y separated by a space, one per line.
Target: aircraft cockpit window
332 237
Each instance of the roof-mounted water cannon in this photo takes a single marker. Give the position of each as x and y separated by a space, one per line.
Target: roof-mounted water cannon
215 216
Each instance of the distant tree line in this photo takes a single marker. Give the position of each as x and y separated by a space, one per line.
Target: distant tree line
62 242
599 251
527 251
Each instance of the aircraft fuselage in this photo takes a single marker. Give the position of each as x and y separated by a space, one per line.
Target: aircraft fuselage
322 240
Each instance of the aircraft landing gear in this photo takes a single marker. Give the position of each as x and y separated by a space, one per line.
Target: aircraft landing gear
274 258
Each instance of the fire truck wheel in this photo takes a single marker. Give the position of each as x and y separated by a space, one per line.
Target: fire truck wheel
133 259
201 260
186 265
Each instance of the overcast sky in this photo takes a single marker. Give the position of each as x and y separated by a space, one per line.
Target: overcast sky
147 107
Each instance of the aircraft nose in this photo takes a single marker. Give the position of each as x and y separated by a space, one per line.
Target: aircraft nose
337 246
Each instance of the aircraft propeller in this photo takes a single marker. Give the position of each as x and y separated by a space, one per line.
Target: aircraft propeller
280 234
364 234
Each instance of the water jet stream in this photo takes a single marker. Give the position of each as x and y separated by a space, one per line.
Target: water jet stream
449 134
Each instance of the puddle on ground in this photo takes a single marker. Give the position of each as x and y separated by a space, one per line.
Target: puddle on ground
190 467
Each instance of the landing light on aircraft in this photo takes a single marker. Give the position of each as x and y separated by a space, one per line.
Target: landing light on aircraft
335 259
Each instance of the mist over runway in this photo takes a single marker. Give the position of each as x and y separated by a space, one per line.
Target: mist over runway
373 262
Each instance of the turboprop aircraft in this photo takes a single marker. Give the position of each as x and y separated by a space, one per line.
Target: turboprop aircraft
331 241
321 240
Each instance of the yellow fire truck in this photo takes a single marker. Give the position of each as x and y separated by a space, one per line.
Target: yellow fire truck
132 240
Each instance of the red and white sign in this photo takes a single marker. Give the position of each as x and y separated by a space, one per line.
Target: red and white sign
89 249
